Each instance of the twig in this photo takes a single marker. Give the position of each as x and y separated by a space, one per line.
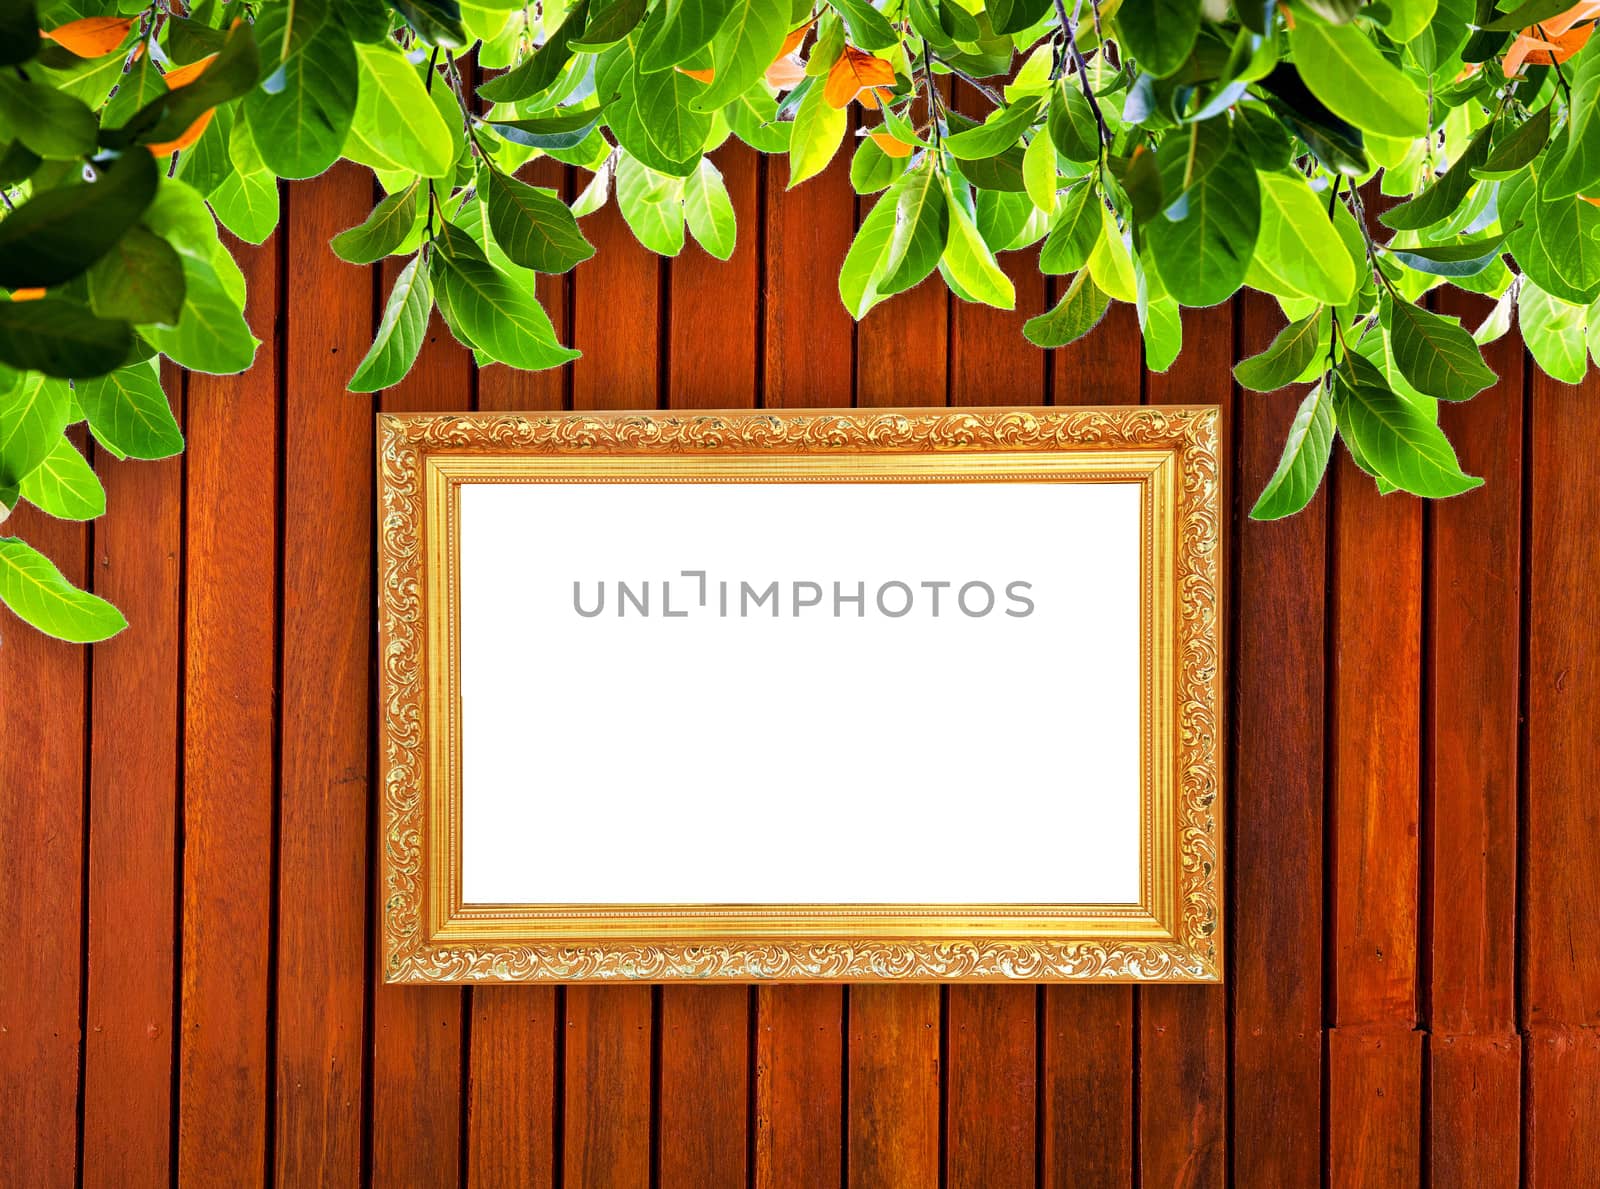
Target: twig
1556 62
988 93
1070 26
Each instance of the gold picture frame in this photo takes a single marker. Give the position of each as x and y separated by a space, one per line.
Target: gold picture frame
1174 932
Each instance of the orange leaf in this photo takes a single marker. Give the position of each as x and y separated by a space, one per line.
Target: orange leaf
26 294
186 74
854 72
1538 51
792 42
892 145
190 135
92 36
703 76
1590 201
786 72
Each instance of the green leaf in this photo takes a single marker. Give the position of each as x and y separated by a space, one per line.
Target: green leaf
869 28
1072 124
168 116
1526 15
683 27
1161 324
815 138
1159 33
395 116
208 161
863 263
400 333
61 338
1513 152
871 169
1342 66
1304 459
666 108
59 233
1555 332
709 210
1558 242
1073 232
541 68
743 48
996 134
1397 439
1299 254
36 591
921 229
128 412
384 230
1441 199
300 129
32 416
211 334
1202 243
438 22
1039 172
1409 18
50 122
1286 360
652 205
1578 169
970 261
64 485
487 310
1459 258
609 23
1434 352
19 32
533 225
247 204
1077 313
140 279
566 130
1014 16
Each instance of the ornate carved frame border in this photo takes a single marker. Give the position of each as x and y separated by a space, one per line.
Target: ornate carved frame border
423 943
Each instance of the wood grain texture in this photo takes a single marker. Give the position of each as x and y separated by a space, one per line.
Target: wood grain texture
1562 1105
229 766
607 1092
799 1087
1276 854
1375 1106
893 1086
512 1088
704 1106
41 845
133 802
416 1051
1475 1109
326 682
990 1085
1087 1123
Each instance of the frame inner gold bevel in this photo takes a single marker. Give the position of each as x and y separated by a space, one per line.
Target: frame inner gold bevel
1153 938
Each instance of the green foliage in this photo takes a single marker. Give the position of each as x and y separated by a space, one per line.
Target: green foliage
1160 153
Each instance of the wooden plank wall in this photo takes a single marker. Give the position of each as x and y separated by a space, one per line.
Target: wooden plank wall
187 828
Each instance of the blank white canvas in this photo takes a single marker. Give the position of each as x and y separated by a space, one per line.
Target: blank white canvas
807 758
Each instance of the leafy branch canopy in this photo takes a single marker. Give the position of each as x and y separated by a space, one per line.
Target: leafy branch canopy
1161 153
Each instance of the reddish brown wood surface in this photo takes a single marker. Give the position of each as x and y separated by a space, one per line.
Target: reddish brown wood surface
187 826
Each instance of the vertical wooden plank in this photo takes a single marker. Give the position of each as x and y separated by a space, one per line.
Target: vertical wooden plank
127 1085
712 313
41 848
1474 689
894 1086
511 1087
1087 1064
1377 592
512 1091
1275 861
799 1087
992 1082
1560 979
705 1059
1374 1106
229 700
607 1087
809 333
416 1031
1088 1087
616 318
327 626
607 1091
1183 1031
705 1031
